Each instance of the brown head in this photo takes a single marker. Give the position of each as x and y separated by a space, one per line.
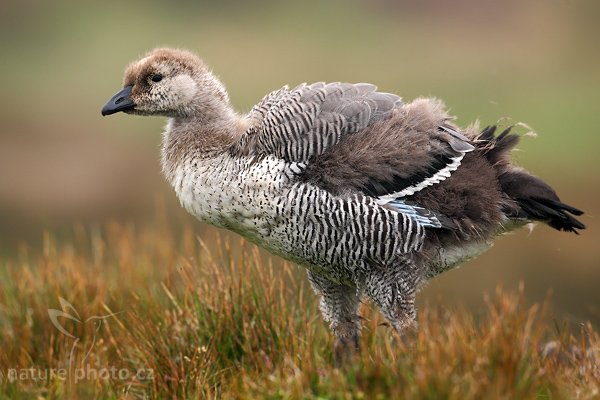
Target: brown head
172 83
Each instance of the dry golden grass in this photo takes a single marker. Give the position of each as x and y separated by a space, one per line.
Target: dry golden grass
225 323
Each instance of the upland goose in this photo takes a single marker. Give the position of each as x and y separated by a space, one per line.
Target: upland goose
372 195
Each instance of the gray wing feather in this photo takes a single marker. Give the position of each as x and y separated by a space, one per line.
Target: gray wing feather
456 140
303 122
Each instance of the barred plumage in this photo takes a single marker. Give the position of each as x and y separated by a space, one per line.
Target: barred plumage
372 195
301 123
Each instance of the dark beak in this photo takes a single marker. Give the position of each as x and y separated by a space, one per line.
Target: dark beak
119 102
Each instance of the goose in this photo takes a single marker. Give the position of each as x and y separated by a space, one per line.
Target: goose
374 196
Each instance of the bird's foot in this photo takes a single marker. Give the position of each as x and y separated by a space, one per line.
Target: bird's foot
345 348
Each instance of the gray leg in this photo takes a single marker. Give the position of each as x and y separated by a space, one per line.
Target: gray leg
339 306
393 290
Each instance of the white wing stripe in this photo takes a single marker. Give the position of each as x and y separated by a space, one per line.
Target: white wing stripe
436 178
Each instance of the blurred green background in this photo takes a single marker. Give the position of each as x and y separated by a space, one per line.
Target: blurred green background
537 62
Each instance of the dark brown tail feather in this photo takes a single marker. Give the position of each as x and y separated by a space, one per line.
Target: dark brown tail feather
535 199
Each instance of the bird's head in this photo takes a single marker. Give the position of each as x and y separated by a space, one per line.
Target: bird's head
169 82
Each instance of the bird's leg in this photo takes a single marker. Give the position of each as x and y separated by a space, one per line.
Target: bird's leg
339 306
393 290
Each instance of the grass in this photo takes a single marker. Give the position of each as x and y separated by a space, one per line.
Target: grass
183 319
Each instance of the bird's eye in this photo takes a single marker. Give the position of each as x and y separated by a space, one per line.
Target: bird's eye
156 78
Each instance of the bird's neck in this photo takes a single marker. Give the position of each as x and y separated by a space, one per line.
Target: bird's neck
200 137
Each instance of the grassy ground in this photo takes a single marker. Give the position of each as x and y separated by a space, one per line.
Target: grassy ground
179 320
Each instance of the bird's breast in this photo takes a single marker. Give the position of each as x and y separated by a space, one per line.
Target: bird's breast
234 193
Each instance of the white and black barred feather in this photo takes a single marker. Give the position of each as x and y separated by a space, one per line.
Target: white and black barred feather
299 125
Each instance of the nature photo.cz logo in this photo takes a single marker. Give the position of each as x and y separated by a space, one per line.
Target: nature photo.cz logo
82 371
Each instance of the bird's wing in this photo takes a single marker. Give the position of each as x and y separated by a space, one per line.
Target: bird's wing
443 155
300 124
350 138
415 148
